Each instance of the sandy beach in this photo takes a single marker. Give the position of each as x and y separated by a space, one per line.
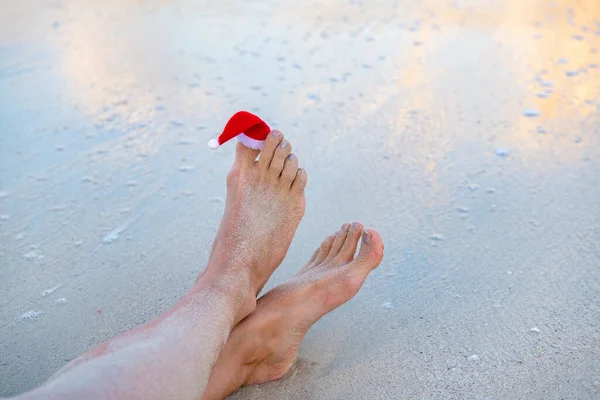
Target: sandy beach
467 132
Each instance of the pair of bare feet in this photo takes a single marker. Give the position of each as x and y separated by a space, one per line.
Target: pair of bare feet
265 203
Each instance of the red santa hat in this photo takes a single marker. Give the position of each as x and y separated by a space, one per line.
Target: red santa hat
250 130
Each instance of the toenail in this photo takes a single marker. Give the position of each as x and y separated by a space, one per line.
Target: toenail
366 237
291 157
284 144
345 227
276 133
356 225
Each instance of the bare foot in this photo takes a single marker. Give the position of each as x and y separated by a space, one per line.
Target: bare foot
263 346
265 203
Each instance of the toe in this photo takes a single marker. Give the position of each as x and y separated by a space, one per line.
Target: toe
325 248
271 143
290 168
245 156
300 181
348 249
319 254
371 252
314 256
338 243
281 153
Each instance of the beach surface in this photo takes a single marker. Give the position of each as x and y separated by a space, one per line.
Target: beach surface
467 132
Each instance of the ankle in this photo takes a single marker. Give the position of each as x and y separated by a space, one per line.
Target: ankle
226 262
232 284
220 264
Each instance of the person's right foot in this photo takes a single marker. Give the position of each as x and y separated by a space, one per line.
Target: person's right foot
263 346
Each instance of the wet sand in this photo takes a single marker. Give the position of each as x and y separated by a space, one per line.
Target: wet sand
467 132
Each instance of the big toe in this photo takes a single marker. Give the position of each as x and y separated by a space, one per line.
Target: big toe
370 253
245 156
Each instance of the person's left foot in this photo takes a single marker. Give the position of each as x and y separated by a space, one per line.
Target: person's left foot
263 346
265 203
